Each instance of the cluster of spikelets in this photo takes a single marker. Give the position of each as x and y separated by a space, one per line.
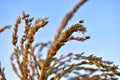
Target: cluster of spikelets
28 65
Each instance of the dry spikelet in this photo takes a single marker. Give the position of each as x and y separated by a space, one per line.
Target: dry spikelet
87 60
81 21
2 74
14 39
23 52
37 21
4 28
68 17
23 15
18 21
31 19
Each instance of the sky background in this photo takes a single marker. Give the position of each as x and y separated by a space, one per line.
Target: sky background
102 19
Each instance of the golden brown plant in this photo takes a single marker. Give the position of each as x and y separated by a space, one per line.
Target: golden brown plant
26 50
28 65
2 74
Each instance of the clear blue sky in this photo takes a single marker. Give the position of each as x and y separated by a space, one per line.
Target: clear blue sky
102 19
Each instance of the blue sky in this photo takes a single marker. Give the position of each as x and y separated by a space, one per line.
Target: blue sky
101 19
